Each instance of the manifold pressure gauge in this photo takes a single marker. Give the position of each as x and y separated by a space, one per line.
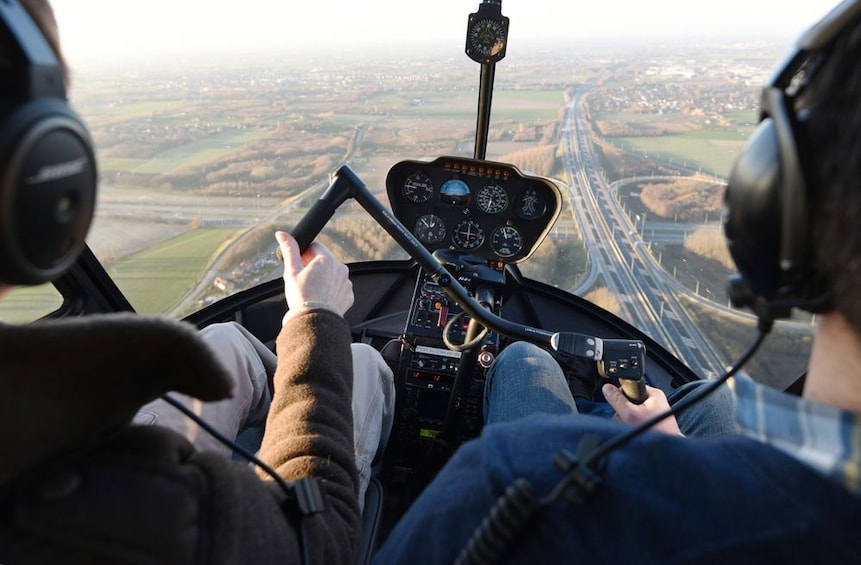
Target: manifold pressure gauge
487 33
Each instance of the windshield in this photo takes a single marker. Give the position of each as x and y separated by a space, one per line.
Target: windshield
216 124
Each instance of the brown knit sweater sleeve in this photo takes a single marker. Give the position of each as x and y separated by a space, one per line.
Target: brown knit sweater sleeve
309 430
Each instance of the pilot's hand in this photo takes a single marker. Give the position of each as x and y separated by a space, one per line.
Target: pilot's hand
631 413
314 279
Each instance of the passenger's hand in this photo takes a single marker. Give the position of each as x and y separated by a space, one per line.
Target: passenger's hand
631 413
314 279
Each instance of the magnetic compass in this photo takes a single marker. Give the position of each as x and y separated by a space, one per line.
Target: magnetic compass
487 33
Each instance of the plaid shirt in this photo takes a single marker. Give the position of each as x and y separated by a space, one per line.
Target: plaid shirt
824 437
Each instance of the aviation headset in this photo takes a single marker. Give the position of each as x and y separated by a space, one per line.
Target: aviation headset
47 163
768 223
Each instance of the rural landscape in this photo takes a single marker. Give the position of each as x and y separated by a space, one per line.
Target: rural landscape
200 164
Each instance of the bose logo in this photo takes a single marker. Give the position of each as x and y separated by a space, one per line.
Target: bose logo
59 171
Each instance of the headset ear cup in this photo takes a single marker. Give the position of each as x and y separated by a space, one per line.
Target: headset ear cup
47 191
752 220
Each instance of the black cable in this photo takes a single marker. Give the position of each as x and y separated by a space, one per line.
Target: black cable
221 438
462 376
229 443
509 517
303 542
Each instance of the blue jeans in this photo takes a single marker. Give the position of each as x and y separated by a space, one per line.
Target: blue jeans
526 379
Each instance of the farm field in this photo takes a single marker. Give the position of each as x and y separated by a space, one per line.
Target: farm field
25 304
157 278
708 152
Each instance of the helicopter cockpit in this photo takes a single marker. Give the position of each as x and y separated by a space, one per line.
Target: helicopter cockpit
453 286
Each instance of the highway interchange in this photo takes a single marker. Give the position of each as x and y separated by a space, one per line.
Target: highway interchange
649 296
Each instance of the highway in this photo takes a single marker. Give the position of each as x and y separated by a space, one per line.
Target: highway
648 295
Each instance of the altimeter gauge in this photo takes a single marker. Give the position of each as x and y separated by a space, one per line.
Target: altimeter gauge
430 229
487 33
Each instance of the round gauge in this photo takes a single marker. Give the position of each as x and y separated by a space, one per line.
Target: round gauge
506 241
530 205
485 38
454 191
467 234
430 229
418 188
492 199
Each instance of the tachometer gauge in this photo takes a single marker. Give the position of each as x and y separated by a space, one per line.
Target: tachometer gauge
506 241
467 234
430 229
492 199
418 188
530 205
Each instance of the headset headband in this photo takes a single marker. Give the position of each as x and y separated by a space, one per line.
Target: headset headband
42 73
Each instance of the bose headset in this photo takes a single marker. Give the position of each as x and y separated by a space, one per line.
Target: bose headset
768 222
47 163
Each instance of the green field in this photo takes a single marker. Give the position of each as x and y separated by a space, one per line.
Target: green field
26 304
527 106
106 114
199 152
680 140
156 279
523 106
709 151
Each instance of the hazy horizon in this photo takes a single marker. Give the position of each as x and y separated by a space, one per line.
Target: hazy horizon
107 30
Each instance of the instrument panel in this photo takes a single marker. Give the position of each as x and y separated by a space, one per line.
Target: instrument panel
487 209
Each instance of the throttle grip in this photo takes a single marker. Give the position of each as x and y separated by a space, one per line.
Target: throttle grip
624 359
634 390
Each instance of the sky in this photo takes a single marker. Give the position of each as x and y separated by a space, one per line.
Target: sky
104 28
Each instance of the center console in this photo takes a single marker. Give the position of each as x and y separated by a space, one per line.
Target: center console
442 369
